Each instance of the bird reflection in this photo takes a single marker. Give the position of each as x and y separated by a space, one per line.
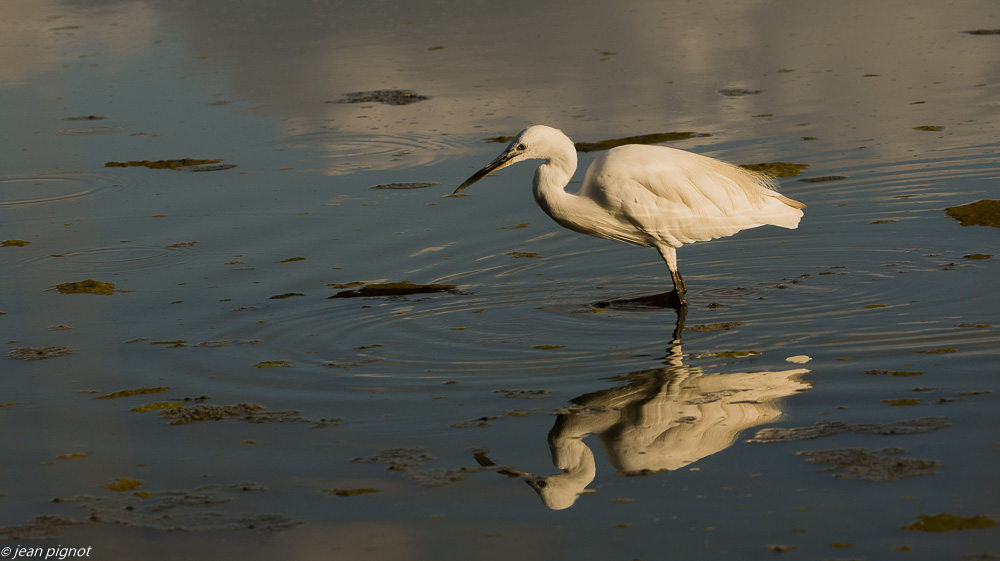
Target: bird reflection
661 419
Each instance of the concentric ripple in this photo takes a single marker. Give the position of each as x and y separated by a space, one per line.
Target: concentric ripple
346 152
45 188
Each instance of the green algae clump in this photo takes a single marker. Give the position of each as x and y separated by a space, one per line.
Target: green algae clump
127 393
88 286
156 406
14 243
948 522
122 484
980 213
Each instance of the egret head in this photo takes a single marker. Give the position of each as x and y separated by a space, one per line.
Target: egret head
533 143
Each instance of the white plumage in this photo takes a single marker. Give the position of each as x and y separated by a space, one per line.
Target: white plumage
644 195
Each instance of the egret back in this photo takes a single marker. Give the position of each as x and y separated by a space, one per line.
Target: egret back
655 195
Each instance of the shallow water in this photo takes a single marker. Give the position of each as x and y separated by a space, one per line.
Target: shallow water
430 426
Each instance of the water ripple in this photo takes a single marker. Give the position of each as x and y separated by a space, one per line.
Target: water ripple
347 152
45 188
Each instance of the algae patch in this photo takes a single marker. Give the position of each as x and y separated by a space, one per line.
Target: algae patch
722 326
776 169
162 164
980 213
14 243
245 412
948 522
183 510
388 97
88 286
405 185
39 353
350 492
879 465
406 459
823 429
655 138
393 289
122 484
128 393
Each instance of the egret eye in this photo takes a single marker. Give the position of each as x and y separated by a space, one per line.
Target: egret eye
520 147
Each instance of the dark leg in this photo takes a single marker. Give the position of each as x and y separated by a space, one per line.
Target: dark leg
669 255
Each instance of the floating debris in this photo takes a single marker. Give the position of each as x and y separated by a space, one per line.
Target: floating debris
949 522
901 402
14 243
880 465
85 118
892 373
245 412
722 326
524 394
822 429
978 256
170 511
350 492
162 164
228 342
980 213
983 32
39 353
292 259
737 92
129 393
394 289
941 351
655 138
776 169
286 295
88 286
547 347
523 254
273 364
398 458
885 221
928 128
351 365
405 459
389 97
405 186
478 423
823 178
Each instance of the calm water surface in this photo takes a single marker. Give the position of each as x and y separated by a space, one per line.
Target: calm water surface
515 416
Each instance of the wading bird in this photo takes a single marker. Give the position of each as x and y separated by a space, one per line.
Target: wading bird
645 195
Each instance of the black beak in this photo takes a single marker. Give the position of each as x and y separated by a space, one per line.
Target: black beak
501 161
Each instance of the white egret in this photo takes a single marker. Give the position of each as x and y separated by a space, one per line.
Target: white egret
646 195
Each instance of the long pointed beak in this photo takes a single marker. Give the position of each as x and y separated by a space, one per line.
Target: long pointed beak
502 160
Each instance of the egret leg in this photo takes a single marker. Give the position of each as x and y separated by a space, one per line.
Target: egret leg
669 255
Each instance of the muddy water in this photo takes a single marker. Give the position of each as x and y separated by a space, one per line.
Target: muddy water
245 412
